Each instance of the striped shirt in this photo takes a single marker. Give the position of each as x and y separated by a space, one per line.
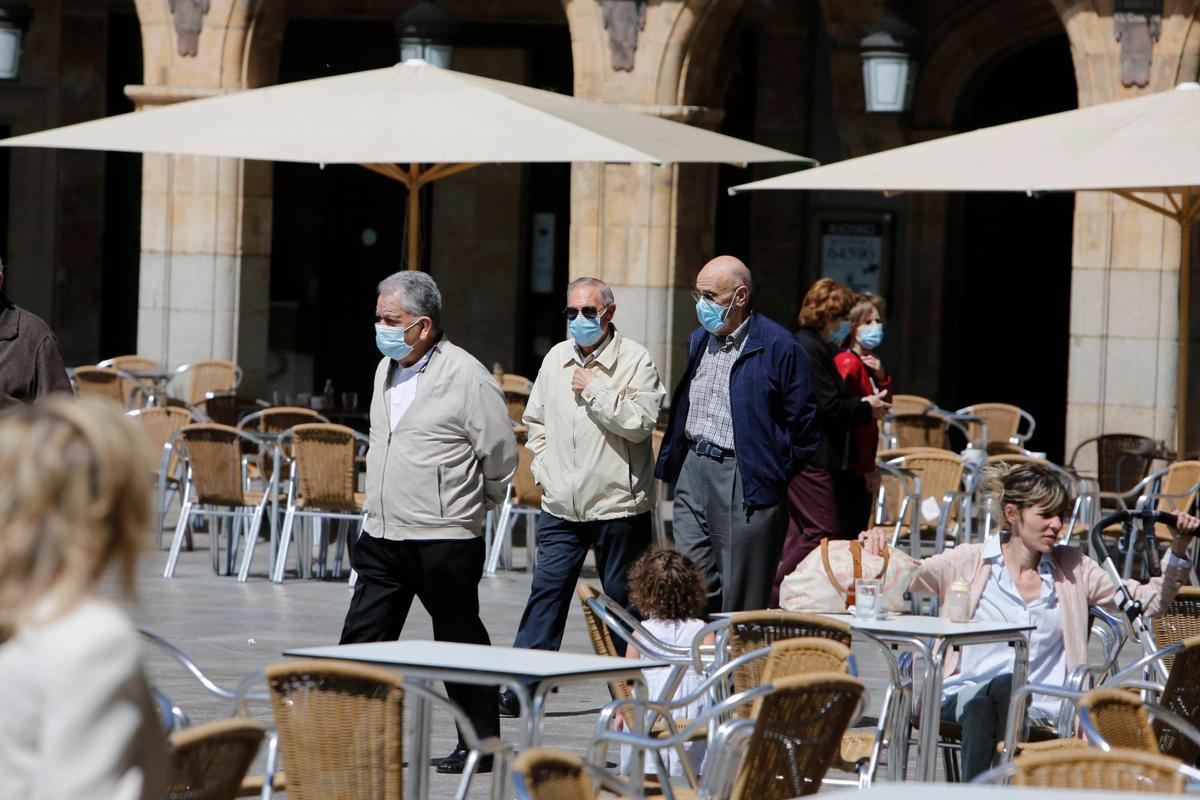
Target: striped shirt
710 418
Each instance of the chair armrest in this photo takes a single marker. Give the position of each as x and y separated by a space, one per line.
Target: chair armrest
621 622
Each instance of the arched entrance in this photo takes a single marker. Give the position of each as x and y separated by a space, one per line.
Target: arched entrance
1008 277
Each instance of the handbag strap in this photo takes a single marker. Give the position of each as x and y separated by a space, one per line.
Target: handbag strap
856 555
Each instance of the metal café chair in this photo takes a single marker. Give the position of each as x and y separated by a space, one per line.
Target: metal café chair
1097 770
216 487
161 425
191 382
522 499
137 390
109 383
323 485
1000 426
210 761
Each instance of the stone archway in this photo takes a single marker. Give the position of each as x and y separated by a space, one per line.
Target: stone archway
206 222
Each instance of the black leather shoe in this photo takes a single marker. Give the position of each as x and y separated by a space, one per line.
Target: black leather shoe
454 763
509 705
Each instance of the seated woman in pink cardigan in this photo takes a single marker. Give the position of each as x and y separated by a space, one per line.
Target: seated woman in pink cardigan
1023 574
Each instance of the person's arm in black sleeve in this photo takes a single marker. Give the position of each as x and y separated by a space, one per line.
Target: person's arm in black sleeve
798 404
832 401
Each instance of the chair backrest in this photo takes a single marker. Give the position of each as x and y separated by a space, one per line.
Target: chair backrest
911 404
753 630
1181 696
324 456
918 430
516 390
939 473
1179 481
209 761
160 424
526 491
541 773
228 408
1003 421
131 363
202 377
1092 768
214 454
1122 459
1180 620
602 642
1121 719
100 382
340 729
797 735
804 656
278 419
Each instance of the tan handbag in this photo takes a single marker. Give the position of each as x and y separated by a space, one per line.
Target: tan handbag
824 580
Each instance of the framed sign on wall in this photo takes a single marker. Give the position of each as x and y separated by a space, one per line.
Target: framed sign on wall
853 248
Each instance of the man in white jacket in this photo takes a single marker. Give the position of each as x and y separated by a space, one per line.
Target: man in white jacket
442 453
590 415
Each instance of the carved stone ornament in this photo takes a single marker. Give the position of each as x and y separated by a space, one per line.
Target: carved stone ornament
188 16
623 19
1138 24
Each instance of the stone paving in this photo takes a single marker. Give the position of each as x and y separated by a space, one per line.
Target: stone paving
233 629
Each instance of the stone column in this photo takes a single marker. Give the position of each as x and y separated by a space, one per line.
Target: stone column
646 230
1125 273
206 222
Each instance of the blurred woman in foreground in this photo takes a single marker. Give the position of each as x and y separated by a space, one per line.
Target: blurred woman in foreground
75 498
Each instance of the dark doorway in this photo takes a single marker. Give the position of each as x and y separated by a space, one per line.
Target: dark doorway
5 190
338 231
122 199
1009 279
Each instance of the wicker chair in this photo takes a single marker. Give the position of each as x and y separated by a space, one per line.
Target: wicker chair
229 407
1121 460
161 425
748 631
926 429
523 498
541 773
216 487
517 389
925 474
210 761
1002 423
1097 770
192 382
134 388
340 729
323 486
602 642
104 382
912 404
790 741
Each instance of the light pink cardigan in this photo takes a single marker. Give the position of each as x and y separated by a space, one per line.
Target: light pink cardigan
1078 580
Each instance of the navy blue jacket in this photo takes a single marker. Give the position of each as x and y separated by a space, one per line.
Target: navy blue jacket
774 418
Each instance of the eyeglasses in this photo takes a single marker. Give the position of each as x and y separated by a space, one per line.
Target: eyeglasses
697 296
589 312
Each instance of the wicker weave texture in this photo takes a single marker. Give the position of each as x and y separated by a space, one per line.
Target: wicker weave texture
1002 420
340 729
919 430
214 454
209 761
1089 768
1122 459
526 491
753 630
325 464
210 376
160 424
602 644
910 404
1181 696
1121 719
797 735
102 382
553 775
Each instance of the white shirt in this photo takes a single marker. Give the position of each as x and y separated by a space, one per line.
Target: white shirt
403 387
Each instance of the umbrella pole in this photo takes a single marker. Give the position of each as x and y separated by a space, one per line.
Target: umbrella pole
414 218
1187 213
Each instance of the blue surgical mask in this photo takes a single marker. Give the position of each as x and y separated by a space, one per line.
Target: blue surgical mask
839 333
870 336
711 316
586 332
390 341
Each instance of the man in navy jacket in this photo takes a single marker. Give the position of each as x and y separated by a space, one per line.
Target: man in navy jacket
742 424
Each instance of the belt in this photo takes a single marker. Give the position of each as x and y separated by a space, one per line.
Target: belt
710 450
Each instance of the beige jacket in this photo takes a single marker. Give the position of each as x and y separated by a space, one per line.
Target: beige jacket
433 473
592 452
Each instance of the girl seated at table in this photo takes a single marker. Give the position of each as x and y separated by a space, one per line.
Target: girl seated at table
669 591
1024 574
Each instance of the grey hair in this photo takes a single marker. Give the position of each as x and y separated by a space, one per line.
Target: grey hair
606 295
417 293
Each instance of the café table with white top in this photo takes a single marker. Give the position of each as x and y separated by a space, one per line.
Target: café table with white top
425 662
956 791
932 638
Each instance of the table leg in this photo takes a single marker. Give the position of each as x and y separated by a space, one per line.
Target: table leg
418 764
637 767
931 707
1020 648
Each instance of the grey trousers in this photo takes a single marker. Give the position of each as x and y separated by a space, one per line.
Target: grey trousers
737 551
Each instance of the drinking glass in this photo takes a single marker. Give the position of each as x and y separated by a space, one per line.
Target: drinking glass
350 401
868 600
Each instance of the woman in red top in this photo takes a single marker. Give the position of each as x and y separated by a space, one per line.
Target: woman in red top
864 376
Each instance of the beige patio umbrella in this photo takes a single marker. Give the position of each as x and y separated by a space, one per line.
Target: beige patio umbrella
413 122
1142 146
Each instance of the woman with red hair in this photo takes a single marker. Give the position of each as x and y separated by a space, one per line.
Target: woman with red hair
812 503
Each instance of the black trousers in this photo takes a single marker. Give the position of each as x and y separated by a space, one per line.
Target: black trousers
561 548
445 575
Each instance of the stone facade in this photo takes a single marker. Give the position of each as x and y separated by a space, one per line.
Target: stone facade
206 224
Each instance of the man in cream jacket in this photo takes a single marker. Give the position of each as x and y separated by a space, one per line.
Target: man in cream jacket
442 452
590 415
